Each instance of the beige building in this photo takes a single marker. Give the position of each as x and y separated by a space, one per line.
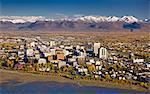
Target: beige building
60 56
96 47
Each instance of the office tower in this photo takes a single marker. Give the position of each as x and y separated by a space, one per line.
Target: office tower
103 53
96 47
52 43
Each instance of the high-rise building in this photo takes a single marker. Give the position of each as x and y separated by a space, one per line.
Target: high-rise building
103 53
96 47
52 43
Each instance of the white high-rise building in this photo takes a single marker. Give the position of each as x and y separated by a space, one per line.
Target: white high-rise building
52 43
103 53
96 47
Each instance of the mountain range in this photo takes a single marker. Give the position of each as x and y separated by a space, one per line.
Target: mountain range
87 23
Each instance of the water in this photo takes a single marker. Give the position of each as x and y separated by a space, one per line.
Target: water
14 87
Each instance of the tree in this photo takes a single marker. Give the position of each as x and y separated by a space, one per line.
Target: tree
28 67
51 66
71 70
141 83
25 68
91 69
119 67
10 63
17 58
107 77
115 67
35 67
1 64
76 76
45 65
64 69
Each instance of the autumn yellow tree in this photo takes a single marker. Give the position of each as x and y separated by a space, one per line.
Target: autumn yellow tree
10 63
91 68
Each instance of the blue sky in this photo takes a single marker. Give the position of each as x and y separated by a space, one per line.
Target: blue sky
138 8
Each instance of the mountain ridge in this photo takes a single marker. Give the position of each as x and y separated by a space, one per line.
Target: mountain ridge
23 19
101 23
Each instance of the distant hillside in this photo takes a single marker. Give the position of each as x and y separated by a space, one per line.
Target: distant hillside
87 23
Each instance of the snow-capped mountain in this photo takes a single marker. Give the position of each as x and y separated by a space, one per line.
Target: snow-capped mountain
97 19
22 19
147 20
100 23
92 18
129 19
113 19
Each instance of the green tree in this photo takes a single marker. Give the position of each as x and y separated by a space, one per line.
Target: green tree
1 63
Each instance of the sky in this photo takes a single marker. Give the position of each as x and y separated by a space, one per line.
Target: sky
137 8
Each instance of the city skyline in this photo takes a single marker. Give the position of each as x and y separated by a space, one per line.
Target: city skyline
50 8
74 46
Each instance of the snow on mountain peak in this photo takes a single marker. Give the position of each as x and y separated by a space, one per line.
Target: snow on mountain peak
129 19
22 19
93 18
113 18
147 20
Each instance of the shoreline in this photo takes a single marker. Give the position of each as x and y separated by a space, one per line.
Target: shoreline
23 78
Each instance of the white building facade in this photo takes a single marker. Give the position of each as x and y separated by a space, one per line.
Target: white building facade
96 47
103 53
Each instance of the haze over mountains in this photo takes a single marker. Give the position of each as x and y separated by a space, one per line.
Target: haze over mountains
88 23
